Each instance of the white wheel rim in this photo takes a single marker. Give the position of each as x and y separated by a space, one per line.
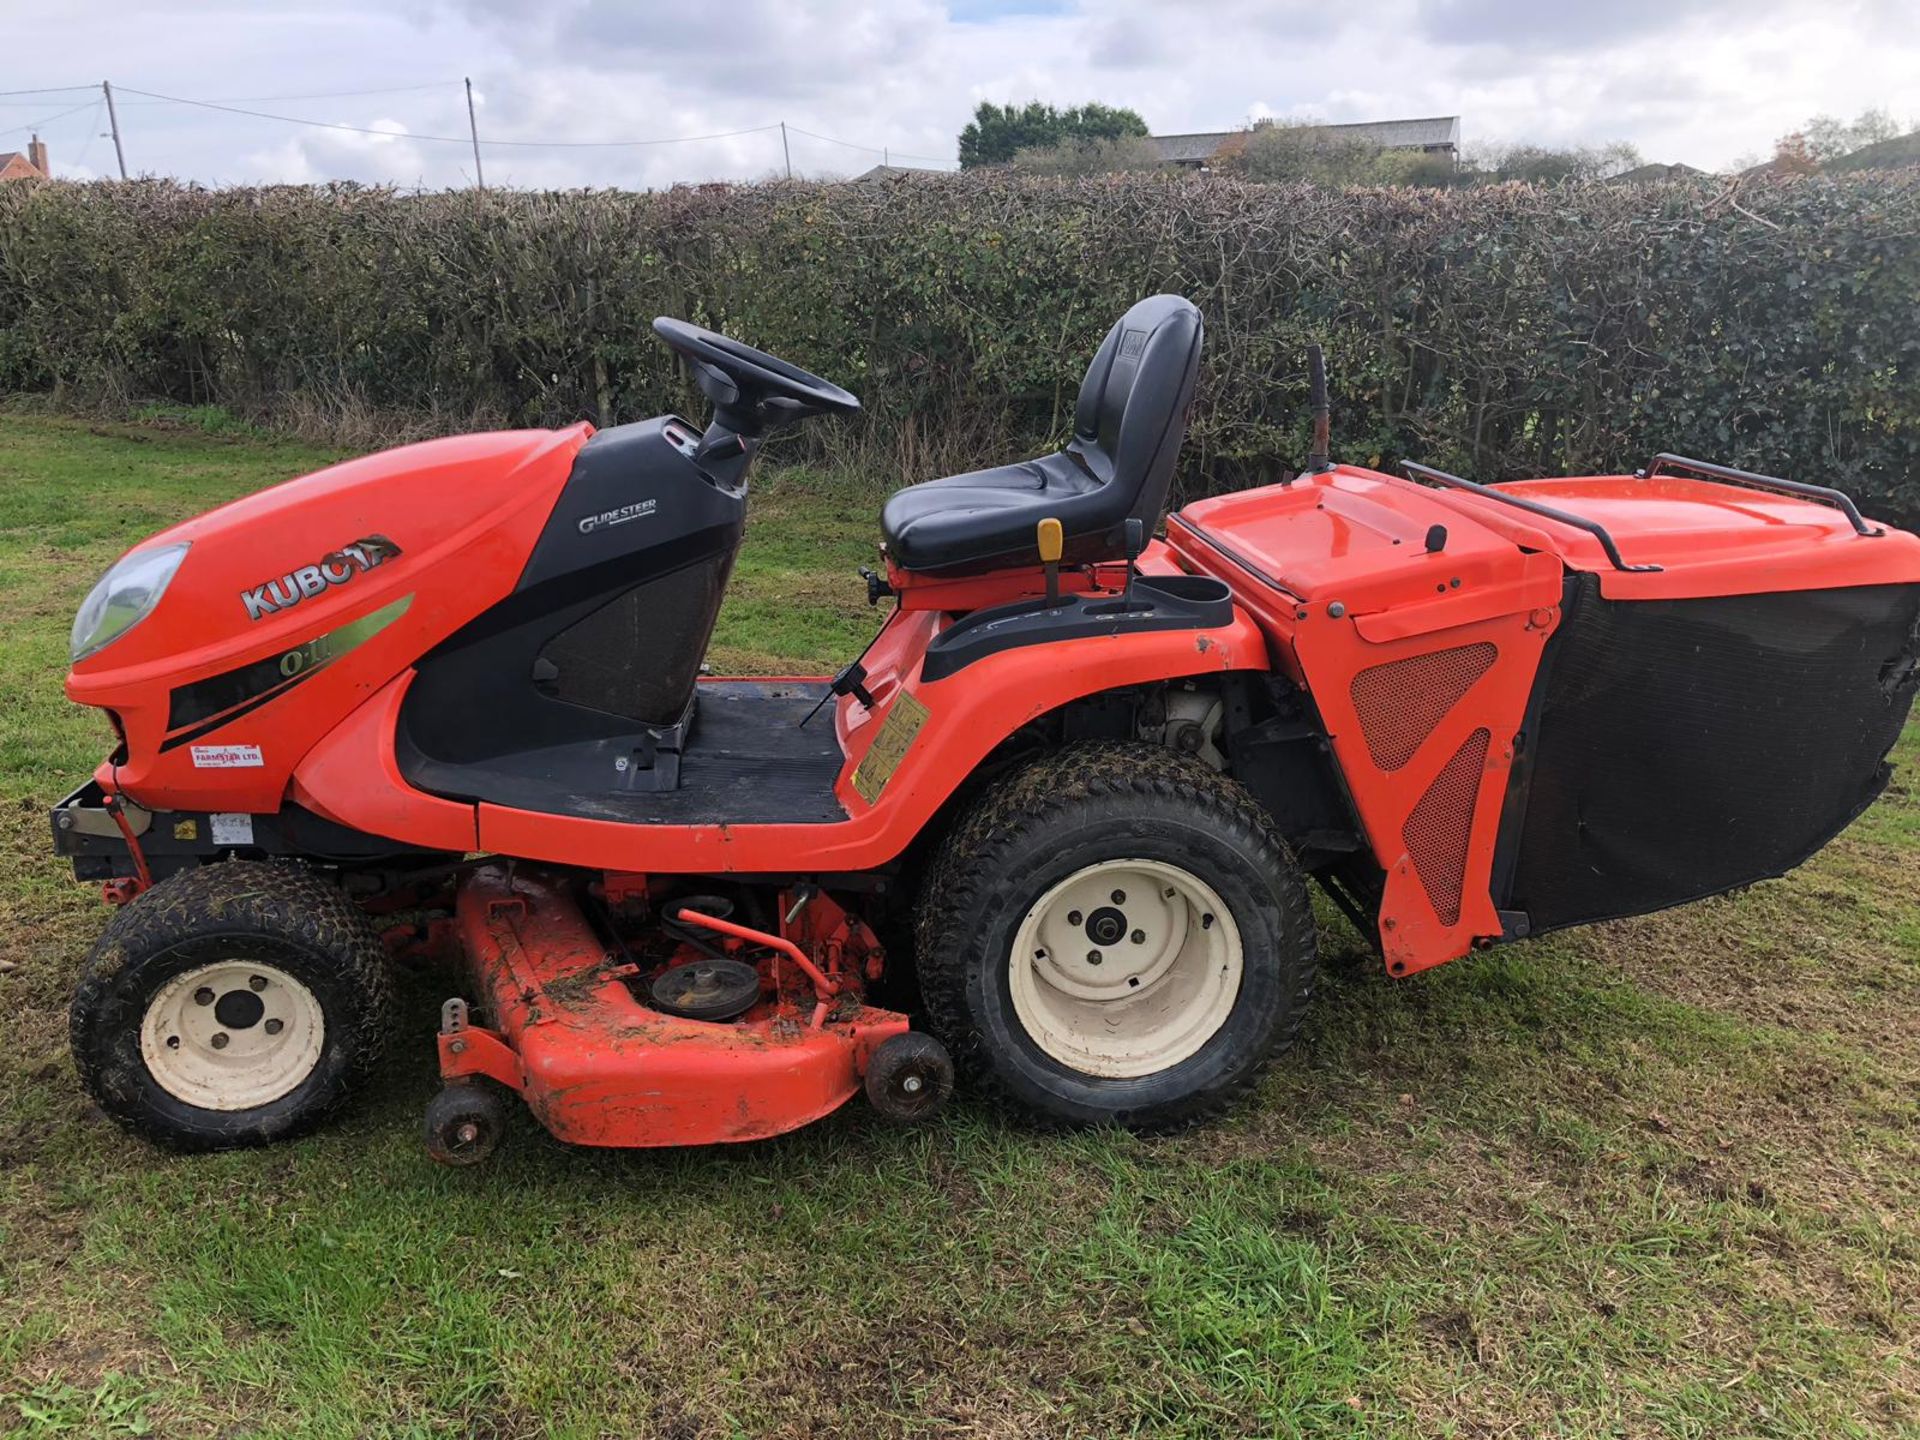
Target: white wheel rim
1097 999
232 1035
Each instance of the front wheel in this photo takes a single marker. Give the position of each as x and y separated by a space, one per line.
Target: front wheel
1115 935
231 1005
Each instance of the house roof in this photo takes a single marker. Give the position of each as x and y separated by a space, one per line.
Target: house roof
888 172
15 166
1176 148
1388 134
1403 134
1643 174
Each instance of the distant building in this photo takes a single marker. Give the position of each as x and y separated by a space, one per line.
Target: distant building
1648 174
1436 135
888 172
30 166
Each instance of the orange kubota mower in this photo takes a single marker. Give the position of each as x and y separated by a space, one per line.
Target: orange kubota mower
450 698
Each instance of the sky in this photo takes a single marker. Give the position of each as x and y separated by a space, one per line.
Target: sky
1708 82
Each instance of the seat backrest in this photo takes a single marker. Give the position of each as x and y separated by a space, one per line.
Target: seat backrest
1132 413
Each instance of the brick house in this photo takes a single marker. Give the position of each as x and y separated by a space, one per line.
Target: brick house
30 166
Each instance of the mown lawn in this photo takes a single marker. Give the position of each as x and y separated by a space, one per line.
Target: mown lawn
1659 1178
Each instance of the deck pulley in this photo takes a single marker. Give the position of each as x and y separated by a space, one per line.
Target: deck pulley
706 989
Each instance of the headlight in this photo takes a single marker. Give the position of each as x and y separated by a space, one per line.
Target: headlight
124 597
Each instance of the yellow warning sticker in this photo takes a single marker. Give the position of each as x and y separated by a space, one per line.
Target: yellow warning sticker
889 748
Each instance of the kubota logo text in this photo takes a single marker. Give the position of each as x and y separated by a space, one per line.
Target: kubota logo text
333 569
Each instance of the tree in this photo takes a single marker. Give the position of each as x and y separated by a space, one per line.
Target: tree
1547 165
1793 155
1089 157
1828 138
1300 150
1303 150
999 132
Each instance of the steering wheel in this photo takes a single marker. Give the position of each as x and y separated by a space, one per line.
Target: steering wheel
751 390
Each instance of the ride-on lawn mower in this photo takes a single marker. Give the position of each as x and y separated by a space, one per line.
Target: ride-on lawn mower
450 698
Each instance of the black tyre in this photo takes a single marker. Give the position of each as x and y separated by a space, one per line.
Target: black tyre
465 1123
231 1005
910 1077
1116 936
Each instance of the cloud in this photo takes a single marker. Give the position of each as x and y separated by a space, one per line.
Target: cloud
1694 80
390 156
1537 26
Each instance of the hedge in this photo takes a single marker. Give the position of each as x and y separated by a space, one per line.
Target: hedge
1501 331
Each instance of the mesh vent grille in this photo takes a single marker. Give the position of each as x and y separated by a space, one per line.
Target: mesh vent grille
639 654
1437 831
1400 702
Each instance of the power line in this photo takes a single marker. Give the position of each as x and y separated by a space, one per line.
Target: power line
289 119
231 108
873 149
48 119
450 139
93 135
326 95
622 144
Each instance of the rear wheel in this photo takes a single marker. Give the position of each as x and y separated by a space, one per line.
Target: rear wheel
1115 935
231 1005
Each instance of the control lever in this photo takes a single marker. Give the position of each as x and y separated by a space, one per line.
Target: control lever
850 681
877 587
1050 540
1134 543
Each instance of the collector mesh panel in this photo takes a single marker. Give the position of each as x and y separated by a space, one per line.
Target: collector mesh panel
1685 747
1401 701
1437 831
637 655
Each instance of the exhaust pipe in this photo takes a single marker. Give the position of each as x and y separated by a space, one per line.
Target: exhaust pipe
1318 462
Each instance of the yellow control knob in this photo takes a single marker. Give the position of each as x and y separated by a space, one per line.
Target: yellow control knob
1051 540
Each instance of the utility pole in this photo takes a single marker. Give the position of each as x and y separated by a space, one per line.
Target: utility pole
784 150
473 128
113 123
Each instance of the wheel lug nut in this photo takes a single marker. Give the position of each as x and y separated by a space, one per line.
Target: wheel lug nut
1073 917
220 1040
1093 957
203 996
1119 897
258 982
1139 937
274 1027
912 1084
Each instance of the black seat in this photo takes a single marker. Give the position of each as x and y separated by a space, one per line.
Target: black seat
1127 430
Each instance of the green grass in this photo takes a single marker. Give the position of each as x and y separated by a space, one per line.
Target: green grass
1660 1178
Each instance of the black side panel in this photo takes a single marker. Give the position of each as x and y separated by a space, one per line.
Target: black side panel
1159 602
180 839
604 633
1686 747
